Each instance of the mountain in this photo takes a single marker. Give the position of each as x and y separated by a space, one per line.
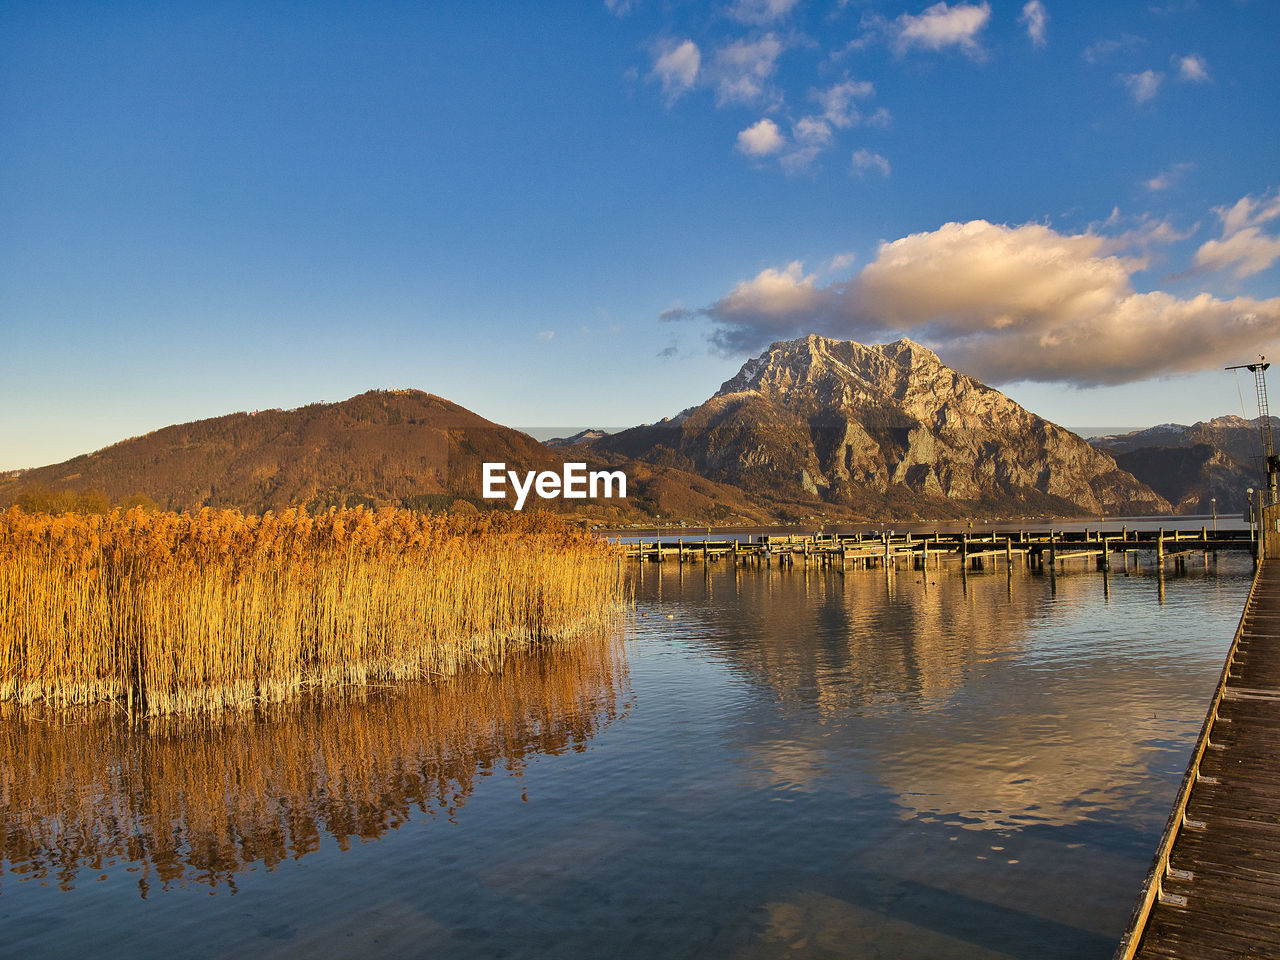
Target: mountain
884 430
1234 436
1199 468
397 447
582 436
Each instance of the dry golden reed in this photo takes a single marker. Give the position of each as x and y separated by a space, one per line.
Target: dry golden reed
202 799
172 613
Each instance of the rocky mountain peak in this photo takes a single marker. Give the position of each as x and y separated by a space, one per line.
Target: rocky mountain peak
832 367
1231 421
853 424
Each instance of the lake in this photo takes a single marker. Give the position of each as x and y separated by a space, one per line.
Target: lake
768 763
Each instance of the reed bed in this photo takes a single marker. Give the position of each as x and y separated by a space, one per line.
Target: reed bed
164 613
201 799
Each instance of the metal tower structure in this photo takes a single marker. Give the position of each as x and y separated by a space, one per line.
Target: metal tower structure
1264 422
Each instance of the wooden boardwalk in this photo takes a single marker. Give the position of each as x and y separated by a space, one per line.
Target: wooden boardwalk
1214 888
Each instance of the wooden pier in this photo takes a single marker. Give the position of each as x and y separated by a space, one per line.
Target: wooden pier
1041 550
1213 890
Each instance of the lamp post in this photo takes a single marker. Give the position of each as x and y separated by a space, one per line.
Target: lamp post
1252 534
1213 504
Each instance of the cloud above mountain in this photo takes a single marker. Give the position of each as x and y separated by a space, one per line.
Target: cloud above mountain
1010 303
1245 247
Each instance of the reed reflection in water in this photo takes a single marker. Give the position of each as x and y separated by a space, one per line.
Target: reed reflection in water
199 800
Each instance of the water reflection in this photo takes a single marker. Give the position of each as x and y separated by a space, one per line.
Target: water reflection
857 640
982 760
979 701
185 801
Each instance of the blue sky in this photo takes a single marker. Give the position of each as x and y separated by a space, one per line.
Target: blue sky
593 213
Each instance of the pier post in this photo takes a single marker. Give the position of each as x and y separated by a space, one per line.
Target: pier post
1160 557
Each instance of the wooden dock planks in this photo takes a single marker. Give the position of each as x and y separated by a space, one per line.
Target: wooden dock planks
1220 893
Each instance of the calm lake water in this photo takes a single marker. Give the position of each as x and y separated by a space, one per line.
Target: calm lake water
769 764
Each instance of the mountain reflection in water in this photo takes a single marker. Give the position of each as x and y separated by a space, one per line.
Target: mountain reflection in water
977 700
182 800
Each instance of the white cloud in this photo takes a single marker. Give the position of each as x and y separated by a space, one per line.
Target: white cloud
800 159
619 8
546 334
1250 251
811 135
1036 17
1009 303
1104 48
839 102
1167 178
880 118
841 262
760 11
1244 247
761 139
1146 233
773 297
1142 86
1193 68
811 130
676 66
865 160
940 26
1248 212
743 69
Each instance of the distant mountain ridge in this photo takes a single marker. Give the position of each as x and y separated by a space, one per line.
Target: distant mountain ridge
812 428
886 430
582 436
1200 468
1235 435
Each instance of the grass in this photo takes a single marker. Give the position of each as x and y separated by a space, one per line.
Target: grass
166 613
